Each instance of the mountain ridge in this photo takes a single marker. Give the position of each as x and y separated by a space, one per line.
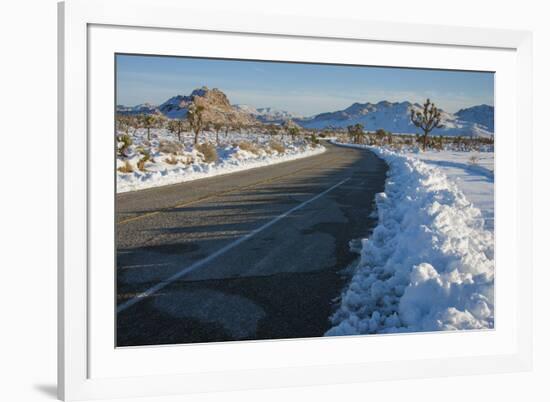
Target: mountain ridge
395 117
477 120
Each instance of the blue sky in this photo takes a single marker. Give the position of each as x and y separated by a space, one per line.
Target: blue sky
304 89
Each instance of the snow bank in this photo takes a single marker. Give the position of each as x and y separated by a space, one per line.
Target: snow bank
428 264
472 172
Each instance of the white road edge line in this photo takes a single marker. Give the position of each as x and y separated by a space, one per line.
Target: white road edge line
152 290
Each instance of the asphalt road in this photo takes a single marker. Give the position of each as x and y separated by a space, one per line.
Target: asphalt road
257 254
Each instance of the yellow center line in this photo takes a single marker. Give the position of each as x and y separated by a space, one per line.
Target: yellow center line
221 193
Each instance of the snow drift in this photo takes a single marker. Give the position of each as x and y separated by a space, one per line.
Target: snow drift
429 263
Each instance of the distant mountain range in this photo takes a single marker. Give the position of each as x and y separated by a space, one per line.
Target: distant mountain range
395 117
391 116
483 115
267 114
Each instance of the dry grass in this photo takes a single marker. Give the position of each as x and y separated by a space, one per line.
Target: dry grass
187 160
170 147
141 164
208 151
127 168
172 160
277 146
249 146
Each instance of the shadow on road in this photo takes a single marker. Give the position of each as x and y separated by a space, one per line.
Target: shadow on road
282 283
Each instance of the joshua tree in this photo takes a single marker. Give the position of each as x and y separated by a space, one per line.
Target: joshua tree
123 123
124 141
177 127
382 135
146 156
217 128
427 120
148 121
292 129
356 132
195 119
237 126
293 132
227 123
313 138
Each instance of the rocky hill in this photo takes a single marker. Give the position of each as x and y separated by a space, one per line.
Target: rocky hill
216 103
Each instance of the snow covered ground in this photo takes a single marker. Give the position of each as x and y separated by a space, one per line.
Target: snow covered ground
429 263
472 172
171 162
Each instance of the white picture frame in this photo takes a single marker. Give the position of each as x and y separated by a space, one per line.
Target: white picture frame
77 378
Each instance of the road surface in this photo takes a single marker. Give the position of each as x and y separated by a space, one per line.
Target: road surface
256 254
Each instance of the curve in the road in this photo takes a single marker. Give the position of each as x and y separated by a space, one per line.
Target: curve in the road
271 244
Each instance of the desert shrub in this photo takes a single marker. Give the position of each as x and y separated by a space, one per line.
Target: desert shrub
127 168
146 156
170 147
172 160
141 165
474 160
187 160
208 151
249 146
277 146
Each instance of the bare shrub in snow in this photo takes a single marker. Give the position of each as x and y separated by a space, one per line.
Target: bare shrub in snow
126 168
474 160
169 147
158 167
172 160
208 152
249 146
277 146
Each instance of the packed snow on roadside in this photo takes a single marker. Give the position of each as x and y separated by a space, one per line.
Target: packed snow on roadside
472 172
173 162
429 263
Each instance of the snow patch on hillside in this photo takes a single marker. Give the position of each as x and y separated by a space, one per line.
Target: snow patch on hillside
266 114
429 263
